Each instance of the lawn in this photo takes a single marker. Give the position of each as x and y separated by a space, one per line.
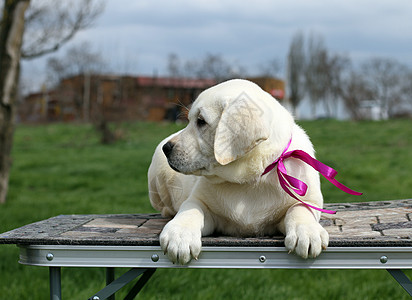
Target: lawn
62 169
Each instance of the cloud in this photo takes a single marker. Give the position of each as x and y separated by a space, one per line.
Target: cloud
252 33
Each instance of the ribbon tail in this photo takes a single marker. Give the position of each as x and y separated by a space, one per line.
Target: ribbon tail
298 186
285 185
342 187
328 172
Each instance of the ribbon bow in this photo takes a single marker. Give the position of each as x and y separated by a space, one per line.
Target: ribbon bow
289 183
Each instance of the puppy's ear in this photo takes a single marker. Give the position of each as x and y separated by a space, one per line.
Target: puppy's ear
241 128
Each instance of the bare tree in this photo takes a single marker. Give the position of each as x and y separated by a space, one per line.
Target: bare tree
82 60
49 25
79 59
323 75
385 78
191 69
316 78
272 68
407 94
216 67
212 66
354 89
335 66
174 65
11 35
295 70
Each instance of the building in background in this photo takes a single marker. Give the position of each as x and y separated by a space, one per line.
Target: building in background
372 110
92 97
273 86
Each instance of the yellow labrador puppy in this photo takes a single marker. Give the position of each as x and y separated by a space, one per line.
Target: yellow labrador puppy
209 175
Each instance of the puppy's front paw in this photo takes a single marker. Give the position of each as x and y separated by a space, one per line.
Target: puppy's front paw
181 243
307 239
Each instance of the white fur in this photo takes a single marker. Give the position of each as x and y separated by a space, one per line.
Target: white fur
219 187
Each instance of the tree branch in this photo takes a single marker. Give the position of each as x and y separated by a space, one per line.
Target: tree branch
51 25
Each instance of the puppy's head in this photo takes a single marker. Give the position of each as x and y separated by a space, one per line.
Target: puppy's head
226 123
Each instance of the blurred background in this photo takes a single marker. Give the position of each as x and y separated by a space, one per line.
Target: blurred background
330 59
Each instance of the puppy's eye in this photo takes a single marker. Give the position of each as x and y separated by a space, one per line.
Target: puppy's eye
200 122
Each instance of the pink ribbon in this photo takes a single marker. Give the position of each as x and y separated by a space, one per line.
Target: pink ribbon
289 183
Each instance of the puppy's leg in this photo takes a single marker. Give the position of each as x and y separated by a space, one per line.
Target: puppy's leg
304 235
181 237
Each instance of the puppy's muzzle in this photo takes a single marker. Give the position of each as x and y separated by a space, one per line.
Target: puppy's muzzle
167 148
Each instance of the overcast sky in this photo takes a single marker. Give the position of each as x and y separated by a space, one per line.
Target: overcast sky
137 36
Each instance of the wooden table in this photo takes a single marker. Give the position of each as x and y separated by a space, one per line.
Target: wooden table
369 235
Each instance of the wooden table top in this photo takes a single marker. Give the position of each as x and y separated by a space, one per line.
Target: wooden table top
366 224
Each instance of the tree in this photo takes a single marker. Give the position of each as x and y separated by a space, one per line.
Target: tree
272 68
49 25
407 94
386 81
11 36
316 71
354 89
212 66
79 59
216 67
174 65
82 60
336 67
295 70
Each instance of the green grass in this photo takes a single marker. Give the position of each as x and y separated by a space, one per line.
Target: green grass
62 169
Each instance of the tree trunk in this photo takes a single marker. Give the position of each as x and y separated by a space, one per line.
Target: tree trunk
313 105
11 35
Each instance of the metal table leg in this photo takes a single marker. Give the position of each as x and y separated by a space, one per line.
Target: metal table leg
55 283
123 280
140 284
110 274
402 279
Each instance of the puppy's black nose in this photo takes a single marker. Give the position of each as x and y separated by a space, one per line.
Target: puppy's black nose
167 148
